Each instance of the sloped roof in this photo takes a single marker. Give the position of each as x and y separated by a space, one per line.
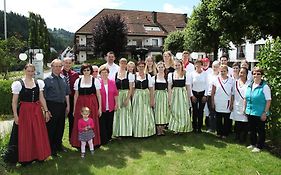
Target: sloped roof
136 20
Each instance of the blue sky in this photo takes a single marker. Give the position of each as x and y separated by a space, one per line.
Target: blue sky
72 14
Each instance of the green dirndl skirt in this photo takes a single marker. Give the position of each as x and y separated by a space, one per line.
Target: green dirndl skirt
180 118
143 119
161 110
122 122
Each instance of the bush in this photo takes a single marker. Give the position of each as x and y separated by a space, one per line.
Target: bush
270 60
3 147
98 62
5 96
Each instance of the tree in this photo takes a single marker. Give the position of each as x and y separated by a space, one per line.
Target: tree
174 42
200 36
110 34
38 34
9 51
269 59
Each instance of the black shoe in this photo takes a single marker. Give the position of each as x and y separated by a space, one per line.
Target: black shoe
62 150
199 131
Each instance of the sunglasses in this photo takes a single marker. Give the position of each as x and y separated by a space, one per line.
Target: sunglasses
86 70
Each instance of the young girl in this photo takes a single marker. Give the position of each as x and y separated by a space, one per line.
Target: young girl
86 132
131 67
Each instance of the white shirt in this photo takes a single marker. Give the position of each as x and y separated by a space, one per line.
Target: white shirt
113 69
170 78
222 99
189 68
131 77
150 81
84 85
16 86
230 71
106 96
198 82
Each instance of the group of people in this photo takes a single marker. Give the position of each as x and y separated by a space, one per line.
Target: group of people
135 100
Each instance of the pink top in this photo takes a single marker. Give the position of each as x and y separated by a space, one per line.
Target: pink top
112 93
82 124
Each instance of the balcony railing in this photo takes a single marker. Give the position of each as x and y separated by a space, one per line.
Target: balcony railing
84 48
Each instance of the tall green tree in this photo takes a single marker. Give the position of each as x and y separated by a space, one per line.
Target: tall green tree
200 36
39 34
9 51
174 42
110 34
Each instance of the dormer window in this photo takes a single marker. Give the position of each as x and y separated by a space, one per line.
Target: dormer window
151 28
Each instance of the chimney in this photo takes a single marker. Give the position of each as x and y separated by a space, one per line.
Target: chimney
154 16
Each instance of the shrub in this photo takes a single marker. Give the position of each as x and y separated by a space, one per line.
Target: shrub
5 96
3 147
98 62
270 60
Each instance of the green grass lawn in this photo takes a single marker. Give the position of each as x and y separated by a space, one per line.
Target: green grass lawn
171 154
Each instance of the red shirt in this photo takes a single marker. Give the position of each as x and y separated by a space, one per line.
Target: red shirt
82 124
72 77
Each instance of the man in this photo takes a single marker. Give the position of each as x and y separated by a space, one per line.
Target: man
113 68
70 77
224 61
189 67
57 97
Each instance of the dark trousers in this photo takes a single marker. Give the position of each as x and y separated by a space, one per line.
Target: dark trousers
212 115
106 124
257 127
56 124
70 115
241 130
223 123
198 107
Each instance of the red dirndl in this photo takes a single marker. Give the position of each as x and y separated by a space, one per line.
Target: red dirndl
33 142
91 102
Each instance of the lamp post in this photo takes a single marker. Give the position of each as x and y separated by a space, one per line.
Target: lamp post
35 57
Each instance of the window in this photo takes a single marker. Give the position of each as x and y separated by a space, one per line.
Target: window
154 42
151 28
241 52
256 50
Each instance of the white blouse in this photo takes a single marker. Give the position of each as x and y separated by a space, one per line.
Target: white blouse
198 82
16 86
131 77
150 81
170 78
84 85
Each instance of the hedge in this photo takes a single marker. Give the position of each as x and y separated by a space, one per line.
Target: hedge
5 96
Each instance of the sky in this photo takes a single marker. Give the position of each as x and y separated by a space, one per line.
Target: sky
72 14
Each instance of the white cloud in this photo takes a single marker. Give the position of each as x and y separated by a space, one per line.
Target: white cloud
67 14
180 9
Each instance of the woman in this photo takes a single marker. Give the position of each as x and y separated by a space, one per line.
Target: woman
95 71
210 112
237 114
221 101
150 66
168 61
256 107
199 87
178 98
87 94
131 67
29 133
245 64
122 122
143 119
109 100
162 112
235 68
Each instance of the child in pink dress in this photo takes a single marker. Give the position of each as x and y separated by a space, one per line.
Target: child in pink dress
86 132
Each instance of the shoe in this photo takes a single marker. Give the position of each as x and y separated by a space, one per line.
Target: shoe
251 147
62 150
256 150
82 155
199 131
92 152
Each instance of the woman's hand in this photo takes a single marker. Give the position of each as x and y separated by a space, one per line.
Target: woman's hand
100 112
125 103
263 117
47 116
204 99
193 99
16 119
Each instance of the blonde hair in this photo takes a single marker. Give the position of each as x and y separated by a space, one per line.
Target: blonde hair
146 69
85 110
224 67
131 63
123 60
171 61
102 68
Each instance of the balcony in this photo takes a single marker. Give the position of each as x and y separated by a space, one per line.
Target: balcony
150 48
84 48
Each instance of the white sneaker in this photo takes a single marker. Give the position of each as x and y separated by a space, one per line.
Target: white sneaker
251 147
256 150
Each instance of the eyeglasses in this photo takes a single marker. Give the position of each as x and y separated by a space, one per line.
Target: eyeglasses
95 71
86 70
256 73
